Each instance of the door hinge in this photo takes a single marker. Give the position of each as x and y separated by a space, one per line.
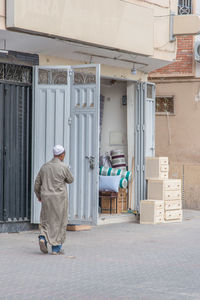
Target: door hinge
70 72
69 121
4 150
143 86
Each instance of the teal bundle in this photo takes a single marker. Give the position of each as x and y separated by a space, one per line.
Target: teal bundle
114 172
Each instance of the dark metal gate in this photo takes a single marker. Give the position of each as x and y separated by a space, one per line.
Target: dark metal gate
15 141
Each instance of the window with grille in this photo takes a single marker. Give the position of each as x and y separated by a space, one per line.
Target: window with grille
185 7
165 105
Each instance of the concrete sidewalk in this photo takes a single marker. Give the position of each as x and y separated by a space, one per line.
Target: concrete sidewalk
119 261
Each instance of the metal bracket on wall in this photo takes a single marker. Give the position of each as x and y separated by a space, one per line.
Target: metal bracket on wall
171 27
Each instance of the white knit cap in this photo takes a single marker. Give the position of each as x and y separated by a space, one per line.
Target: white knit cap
58 149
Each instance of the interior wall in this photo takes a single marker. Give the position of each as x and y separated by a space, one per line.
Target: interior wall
114 127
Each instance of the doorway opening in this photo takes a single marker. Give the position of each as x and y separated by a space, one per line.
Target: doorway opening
114 152
125 125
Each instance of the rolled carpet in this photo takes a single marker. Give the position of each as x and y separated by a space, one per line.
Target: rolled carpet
118 159
123 183
114 172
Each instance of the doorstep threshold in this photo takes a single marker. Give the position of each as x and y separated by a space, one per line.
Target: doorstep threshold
104 219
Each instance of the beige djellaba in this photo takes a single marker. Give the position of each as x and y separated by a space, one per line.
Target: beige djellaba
50 187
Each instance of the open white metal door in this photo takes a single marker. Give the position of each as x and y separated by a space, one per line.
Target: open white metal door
144 135
51 107
84 143
149 120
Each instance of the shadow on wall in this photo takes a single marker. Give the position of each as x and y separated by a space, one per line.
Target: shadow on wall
190 176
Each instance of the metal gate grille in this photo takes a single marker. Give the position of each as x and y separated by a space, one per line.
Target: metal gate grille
184 7
15 120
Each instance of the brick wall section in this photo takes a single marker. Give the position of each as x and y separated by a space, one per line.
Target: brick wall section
184 60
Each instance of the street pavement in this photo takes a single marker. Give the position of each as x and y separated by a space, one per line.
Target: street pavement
119 261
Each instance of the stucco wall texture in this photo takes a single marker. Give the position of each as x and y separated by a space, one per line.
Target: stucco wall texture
177 136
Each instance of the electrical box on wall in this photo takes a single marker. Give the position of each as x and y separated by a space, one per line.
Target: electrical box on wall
124 100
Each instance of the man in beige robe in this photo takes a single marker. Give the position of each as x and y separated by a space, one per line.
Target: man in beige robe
51 190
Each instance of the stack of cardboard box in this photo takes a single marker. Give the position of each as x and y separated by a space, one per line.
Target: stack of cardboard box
164 195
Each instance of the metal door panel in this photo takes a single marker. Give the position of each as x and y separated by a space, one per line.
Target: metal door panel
21 154
60 120
137 145
41 128
142 145
9 162
16 153
18 141
84 143
27 154
149 102
51 111
144 135
52 120
1 148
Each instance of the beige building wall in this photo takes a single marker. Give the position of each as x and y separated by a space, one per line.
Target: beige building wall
2 14
95 22
138 26
177 136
